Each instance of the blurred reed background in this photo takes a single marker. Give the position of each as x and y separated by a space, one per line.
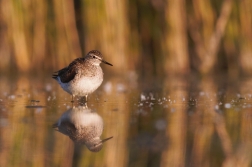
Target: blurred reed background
153 37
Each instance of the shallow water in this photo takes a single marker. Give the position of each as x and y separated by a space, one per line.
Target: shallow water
169 122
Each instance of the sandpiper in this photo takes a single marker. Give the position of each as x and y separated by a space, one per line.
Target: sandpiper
83 126
83 76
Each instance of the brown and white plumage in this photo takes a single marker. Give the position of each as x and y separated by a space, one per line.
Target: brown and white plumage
82 126
83 76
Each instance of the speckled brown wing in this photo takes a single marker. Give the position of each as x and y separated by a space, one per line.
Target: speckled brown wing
66 128
68 73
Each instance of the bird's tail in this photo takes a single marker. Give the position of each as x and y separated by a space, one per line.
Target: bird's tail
55 75
55 126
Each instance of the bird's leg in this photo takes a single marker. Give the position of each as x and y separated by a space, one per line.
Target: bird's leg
86 98
72 98
83 100
85 105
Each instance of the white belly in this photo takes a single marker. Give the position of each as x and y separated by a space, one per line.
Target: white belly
82 86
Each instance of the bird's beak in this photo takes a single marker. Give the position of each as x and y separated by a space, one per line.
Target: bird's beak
106 63
104 140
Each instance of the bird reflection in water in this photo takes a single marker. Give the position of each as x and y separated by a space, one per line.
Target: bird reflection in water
82 126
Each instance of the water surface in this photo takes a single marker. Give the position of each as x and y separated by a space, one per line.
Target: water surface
169 122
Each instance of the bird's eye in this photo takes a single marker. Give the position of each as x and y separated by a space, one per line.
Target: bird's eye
94 57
